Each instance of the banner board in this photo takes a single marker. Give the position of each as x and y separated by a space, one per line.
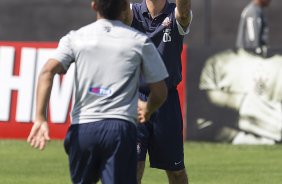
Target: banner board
20 65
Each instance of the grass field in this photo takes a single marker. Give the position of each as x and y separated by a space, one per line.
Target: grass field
206 164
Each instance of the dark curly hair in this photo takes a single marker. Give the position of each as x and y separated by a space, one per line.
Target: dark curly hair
110 9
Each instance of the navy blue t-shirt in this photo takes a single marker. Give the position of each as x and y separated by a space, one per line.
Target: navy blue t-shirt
163 32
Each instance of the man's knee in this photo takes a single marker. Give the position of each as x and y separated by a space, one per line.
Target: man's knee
177 173
177 177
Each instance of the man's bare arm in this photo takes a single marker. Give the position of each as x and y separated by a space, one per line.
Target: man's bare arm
39 133
183 15
45 82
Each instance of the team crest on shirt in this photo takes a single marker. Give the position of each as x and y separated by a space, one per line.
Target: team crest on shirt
100 91
261 80
166 22
260 85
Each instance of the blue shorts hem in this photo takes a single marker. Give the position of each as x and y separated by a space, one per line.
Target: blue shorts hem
167 168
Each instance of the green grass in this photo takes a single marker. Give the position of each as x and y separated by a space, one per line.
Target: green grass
206 164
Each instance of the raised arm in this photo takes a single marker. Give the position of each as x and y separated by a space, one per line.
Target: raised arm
183 14
39 133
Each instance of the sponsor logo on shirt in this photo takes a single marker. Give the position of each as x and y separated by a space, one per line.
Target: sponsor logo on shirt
100 91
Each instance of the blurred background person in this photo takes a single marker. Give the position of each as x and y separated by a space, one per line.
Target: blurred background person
240 91
241 98
253 28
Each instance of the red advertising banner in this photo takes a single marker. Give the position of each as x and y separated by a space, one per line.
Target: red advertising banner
182 89
20 64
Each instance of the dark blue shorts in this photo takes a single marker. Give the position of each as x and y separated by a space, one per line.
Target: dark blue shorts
162 136
103 150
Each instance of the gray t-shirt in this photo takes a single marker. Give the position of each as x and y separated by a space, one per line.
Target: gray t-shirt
253 29
109 58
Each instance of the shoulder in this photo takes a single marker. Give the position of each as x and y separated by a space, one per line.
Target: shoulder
80 31
133 33
86 28
171 6
68 37
220 58
250 10
170 10
132 39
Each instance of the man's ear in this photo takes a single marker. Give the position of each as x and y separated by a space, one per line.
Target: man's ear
93 5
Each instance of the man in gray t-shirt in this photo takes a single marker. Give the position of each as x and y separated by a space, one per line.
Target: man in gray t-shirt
109 58
253 30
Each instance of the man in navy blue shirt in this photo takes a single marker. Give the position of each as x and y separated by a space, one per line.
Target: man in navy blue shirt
166 24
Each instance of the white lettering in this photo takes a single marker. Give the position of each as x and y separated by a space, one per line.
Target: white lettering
6 70
24 83
31 63
166 35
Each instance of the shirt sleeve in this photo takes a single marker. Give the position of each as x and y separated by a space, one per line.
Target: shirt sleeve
208 78
64 52
180 28
153 68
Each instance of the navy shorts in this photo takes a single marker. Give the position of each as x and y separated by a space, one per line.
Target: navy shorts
162 136
103 150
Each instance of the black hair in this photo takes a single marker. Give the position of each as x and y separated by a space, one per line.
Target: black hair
110 9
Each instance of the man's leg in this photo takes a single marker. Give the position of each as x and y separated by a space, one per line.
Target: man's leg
119 158
84 168
140 170
143 136
167 151
177 177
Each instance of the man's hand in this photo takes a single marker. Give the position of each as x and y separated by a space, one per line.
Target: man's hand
143 112
183 14
157 96
39 134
